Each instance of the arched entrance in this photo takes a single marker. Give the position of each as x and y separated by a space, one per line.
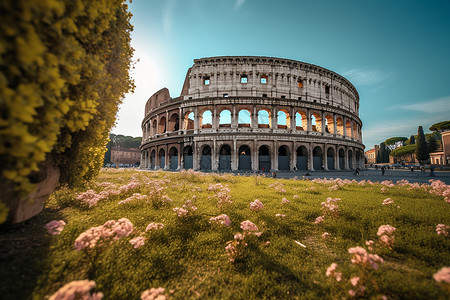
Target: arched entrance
330 158
350 159
341 159
173 158
283 158
317 158
152 159
245 159
264 158
162 156
302 158
225 158
188 157
205 160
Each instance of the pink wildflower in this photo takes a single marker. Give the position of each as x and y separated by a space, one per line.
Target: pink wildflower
286 201
181 212
222 219
370 244
295 197
318 220
331 272
138 242
90 197
442 229
361 257
443 275
354 280
256 205
388 201
385 229
248 226
281 216
154 226
55 227
136 196
77 290
325 235
153 294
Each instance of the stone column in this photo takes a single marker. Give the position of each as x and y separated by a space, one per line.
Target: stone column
234 156
308 120
214 156
196 120
292 160
215 119
195 156
156 157
334 125
351 129
234 118
274 118
292 118
274 155
311 158
325 158
254 154
346 163
254 118
179 158
344 119
336 159
322 116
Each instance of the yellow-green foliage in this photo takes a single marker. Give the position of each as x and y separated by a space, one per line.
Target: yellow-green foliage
63 72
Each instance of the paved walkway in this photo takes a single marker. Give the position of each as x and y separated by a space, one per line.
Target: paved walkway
372 174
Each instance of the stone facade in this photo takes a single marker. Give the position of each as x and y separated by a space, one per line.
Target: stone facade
128 156
254 113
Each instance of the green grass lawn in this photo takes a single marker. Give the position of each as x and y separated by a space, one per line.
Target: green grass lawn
187 257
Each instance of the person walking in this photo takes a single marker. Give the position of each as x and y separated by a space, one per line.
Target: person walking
382 170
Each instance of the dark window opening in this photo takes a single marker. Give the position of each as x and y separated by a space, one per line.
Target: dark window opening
327 89
264 95
206 80
300 83
244 79
225 95
299 98
283 96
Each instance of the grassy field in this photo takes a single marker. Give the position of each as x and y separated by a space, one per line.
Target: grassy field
187 257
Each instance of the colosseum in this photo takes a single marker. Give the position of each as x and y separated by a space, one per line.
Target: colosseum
254 113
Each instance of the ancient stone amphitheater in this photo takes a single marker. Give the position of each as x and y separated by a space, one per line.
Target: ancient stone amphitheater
254 113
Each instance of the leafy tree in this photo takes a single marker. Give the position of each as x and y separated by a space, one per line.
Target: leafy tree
432 144
412 140
393 140
384 153
378 157
422 153
441 126
401 151
64 70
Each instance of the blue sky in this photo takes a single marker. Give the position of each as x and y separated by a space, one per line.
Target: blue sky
396 53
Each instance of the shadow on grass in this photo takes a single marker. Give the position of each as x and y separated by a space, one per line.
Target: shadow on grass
24 249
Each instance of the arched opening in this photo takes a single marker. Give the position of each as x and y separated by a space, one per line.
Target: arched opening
330 158
244 118
189 121
317 158
152 159
162 125
339 126
154 127
283 158
225 158
225 118
350 159
341 159
329 127
174 123
264 120
206 119
302 158
162 157
283 119
348 128
205 160
245 159
188 157
173 158
264 158
301 122
316 122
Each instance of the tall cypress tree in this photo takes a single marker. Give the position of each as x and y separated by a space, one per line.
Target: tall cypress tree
422 154
412 140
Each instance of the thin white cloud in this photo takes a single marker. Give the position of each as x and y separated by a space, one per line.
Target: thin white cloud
366 77
167 15
238 4
440 105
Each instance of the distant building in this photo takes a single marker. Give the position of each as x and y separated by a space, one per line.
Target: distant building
442 155
371 155
129 156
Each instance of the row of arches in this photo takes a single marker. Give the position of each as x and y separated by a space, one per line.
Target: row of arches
296 119
263 159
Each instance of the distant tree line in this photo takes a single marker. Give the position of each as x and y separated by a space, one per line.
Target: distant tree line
120 140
